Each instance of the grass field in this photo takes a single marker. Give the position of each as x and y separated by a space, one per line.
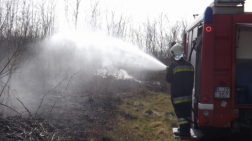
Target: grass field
143 116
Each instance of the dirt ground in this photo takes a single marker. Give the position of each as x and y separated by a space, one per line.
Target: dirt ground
83 113
82 118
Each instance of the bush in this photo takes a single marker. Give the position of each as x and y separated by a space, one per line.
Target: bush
149 112
106 138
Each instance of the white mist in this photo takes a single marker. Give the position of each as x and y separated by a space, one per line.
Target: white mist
83 54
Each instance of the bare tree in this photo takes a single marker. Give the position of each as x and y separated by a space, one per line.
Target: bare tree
95 15
76 12
21 22
184 25
116 27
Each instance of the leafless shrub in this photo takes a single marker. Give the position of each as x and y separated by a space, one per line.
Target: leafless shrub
34 130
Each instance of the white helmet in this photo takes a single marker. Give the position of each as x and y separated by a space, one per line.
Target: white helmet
177 51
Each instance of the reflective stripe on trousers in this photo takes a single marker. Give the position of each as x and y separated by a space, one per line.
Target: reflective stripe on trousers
182 99
183 120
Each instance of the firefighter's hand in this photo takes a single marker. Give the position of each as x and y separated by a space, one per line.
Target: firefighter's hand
167 67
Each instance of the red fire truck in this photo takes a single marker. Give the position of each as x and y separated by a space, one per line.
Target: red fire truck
219 46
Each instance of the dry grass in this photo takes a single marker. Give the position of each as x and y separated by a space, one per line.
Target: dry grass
144 115
156 124
161 131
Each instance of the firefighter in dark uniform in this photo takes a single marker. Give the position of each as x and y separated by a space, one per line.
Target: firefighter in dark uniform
180 74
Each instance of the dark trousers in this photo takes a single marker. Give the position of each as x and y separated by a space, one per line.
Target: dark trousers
183 110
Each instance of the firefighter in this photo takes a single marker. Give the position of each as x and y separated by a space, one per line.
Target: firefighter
180 75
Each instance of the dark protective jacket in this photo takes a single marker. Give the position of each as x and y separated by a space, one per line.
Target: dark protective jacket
181 76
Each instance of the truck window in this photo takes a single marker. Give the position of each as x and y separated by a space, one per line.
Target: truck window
243 66
189 44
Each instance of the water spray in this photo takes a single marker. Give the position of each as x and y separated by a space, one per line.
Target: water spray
110 51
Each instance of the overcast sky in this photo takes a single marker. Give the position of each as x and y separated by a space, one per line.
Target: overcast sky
176 9
140 10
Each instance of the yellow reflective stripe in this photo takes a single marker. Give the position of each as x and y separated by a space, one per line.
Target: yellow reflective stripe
182 97
181 101
183 119
183 69
177 138
183 122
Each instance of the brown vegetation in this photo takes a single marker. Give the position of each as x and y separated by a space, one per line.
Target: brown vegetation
107 113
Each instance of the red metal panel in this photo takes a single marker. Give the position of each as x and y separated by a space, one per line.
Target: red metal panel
222 41
207 70
242 18
207 64
223 113
222 67
222 78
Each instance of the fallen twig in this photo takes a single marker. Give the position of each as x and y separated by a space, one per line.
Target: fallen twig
45 95
62 93
12 109
35 121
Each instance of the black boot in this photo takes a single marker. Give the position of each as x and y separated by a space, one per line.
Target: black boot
184 130
182 134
